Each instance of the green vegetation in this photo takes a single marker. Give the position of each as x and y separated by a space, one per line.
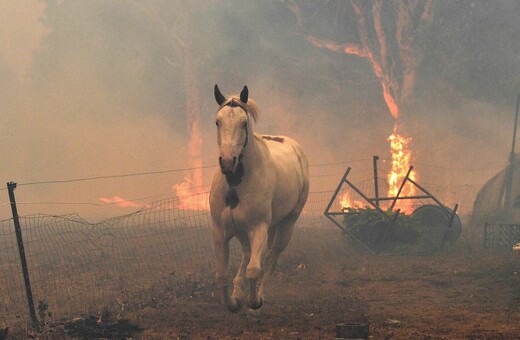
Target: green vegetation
382 231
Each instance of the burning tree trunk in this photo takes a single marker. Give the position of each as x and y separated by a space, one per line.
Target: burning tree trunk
193 116
393 54
176 26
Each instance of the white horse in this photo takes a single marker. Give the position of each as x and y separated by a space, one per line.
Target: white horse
256 196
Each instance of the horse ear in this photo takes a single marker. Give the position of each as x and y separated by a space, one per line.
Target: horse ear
244 94
219 97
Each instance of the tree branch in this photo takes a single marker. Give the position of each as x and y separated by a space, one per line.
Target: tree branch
353 49
296 10
380 32
363 36
427 14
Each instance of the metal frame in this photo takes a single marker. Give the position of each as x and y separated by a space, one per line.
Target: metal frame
374 202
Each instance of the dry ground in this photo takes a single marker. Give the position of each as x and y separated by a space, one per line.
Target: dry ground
464 293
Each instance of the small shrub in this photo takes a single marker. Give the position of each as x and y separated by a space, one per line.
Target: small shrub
43 313
378 231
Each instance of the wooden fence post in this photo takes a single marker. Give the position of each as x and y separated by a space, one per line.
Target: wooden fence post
32 312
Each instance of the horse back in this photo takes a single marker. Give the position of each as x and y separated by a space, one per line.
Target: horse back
292 175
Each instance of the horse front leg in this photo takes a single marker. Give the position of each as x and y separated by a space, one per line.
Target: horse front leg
239 282
258 242
221 249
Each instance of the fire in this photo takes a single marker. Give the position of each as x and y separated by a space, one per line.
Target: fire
123 203
190 196
401 162
347 202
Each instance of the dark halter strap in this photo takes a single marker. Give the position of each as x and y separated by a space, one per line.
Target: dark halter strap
235 103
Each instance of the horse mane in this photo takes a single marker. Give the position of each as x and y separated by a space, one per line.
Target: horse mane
250 107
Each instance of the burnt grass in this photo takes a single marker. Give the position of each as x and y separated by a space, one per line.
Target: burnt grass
463 293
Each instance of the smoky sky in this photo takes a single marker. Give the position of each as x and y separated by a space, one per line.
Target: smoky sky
94 88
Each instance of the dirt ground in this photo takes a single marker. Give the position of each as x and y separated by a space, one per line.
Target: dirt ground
464 293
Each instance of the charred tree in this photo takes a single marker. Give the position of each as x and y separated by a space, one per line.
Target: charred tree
386 32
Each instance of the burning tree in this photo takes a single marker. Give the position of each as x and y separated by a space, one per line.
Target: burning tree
175 21
387 34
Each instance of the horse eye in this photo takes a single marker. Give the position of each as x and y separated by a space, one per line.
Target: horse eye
216 123
244 125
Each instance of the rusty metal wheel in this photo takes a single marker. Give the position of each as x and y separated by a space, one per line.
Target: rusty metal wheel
433 223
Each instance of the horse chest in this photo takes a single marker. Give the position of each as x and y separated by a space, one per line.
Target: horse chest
233 221
241 211
231 198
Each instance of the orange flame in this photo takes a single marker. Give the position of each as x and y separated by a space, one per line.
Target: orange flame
401 162
190 196
121 202
346 202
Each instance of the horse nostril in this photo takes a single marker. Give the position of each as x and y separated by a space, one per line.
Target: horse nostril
234 161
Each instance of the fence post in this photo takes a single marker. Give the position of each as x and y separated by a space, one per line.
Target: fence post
32 312
376 185
486 235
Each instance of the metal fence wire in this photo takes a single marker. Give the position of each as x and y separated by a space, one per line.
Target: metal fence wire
78 268
501 235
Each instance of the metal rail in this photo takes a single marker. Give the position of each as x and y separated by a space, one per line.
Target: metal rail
374 202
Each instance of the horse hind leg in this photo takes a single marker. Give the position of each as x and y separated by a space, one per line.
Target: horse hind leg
281 236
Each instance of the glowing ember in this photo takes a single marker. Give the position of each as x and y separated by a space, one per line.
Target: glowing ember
121 202
346 202
401 161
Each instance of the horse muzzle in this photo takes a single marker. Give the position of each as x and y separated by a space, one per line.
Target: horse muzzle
228 165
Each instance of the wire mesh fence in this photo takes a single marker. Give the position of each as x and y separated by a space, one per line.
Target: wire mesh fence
501 235
77 267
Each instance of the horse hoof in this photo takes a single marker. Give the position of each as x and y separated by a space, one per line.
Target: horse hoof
256 304
235 306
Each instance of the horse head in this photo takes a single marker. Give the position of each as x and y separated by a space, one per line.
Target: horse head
233 129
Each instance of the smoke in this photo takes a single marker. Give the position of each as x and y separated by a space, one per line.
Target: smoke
96 88
21 35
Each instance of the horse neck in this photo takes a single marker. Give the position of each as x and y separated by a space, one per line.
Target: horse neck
252 155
